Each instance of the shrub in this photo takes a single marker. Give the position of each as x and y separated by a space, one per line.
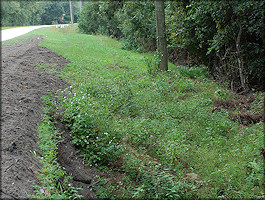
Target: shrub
209 32
137 23
99 17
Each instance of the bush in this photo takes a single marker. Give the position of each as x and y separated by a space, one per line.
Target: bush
209 31
99 17
137 24
90 20
194 72
133 21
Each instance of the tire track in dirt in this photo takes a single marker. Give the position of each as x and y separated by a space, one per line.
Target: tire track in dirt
22 85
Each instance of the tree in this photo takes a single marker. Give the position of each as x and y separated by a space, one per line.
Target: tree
19 13
51 12
161 34
226 36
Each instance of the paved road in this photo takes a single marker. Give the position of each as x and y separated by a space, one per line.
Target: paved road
15 32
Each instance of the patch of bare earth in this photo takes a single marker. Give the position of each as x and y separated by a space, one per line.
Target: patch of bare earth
82 176
22 86
239 109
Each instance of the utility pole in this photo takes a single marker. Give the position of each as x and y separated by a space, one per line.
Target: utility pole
161 34
81 4
71 11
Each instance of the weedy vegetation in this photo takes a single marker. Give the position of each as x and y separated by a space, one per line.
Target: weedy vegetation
53 181
158 132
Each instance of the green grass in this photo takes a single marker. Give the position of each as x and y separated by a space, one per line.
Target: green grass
159 126
8 27
53 181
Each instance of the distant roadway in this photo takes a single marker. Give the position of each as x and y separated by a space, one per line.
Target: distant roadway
11 33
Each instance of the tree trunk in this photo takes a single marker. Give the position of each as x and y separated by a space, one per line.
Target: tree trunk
240 60
161 33
71 11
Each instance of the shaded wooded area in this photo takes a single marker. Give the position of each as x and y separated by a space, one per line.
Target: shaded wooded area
23 13
228 36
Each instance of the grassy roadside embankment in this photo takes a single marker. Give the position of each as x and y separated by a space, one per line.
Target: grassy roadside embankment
158 131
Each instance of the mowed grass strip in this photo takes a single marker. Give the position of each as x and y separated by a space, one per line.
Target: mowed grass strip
114 104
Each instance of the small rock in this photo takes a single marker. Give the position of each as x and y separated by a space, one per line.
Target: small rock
192 177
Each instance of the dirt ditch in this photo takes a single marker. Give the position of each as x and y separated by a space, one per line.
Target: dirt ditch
22 86
239 110
82 176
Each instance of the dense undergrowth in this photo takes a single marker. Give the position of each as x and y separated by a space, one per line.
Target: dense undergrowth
157 131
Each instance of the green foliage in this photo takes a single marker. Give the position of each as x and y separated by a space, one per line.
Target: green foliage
99 17
153 181
256 173
258 105
52 12
153 64
208 30
134 21
53 182
17 13
162 186
90 20
89 129
137 23
22 13
194 72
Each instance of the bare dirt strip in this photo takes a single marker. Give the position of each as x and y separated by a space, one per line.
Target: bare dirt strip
22 86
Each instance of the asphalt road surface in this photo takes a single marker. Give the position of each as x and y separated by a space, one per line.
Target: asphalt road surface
15 32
